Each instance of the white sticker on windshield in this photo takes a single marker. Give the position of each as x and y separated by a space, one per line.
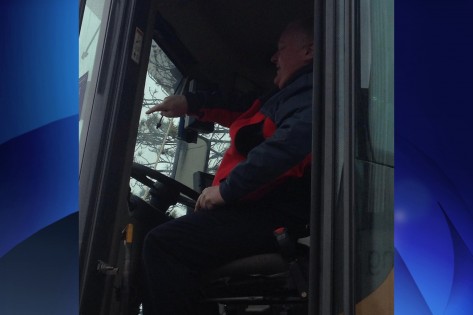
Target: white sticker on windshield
137 44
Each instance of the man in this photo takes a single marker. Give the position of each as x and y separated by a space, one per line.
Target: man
262 183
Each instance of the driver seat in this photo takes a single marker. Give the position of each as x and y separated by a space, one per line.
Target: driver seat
260 279
265 279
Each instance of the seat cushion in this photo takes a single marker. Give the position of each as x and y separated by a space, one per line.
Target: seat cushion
263 264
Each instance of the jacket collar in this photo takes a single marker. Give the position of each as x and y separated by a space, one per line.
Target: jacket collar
302 71
297 74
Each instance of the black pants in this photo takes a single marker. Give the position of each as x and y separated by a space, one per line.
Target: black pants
178 252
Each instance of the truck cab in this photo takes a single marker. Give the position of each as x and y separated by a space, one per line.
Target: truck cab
138 170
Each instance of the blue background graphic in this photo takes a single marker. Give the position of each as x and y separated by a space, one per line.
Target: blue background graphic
39 157
433 157
433 154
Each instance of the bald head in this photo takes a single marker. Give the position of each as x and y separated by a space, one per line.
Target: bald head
304 28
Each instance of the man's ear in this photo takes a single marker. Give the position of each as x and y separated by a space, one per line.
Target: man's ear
309 51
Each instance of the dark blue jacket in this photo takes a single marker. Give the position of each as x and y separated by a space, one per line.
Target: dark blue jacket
270 152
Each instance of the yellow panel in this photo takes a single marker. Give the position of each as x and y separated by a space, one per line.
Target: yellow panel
381 301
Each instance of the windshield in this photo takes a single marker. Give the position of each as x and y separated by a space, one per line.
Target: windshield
156 139
157 144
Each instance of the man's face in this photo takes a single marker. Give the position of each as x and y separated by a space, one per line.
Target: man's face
294 52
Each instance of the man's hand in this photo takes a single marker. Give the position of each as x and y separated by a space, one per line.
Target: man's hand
209 199
172 106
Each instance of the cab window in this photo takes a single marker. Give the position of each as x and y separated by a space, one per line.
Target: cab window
158 145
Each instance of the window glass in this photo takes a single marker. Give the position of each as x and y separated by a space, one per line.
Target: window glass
375 103
374 173
157 144
156 139
88 44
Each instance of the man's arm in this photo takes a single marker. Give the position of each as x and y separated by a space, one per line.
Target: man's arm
205 105
213 106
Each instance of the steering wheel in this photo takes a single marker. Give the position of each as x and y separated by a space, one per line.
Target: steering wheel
141 173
